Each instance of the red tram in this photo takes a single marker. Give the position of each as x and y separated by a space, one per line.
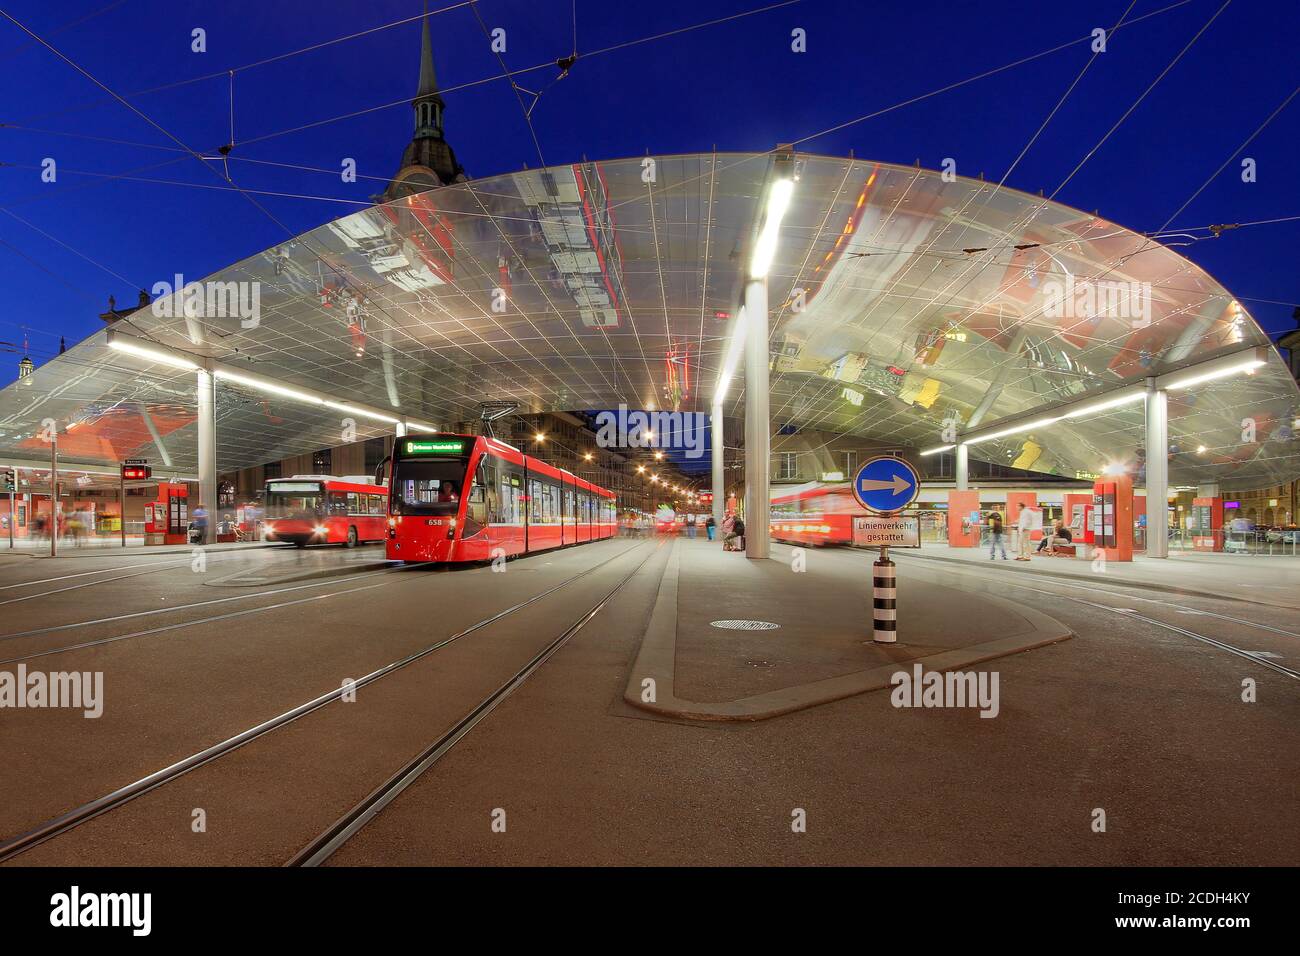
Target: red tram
471 498
322 509
816 514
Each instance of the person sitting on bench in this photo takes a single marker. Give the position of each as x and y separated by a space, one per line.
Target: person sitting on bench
1060 533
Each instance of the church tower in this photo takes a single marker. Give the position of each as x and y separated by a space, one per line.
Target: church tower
428 161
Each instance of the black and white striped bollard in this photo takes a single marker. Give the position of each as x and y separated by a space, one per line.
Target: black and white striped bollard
884 600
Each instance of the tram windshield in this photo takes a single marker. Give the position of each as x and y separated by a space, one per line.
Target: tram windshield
428 487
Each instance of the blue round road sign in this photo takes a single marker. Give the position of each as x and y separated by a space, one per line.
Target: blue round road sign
886 484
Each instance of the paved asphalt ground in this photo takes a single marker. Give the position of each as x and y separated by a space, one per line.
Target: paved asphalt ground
1141 721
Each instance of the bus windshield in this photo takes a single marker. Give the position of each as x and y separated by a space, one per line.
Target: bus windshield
293 498
428 487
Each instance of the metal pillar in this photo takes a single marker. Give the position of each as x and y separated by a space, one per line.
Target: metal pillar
207 407
717 440
121 498
1157 481
54 494
758 441
963 467
13 515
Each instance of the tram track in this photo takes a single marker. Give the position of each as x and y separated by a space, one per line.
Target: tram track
1008 581
65 822
328 841
271 592
152 569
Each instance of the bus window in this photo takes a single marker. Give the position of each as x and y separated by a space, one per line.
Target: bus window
354 504
287 499
338 503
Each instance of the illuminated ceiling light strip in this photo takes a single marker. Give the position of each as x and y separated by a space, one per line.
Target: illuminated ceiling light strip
1091 409
778 201
265 386
935 451
1242 367
732 359
128 344
1014 429
1222 367
353 410
153 355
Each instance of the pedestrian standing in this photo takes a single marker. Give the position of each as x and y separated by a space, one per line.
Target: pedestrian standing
995 540
710 528
1024 525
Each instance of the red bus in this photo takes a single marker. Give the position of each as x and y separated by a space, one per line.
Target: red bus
471 498
815 513
322 509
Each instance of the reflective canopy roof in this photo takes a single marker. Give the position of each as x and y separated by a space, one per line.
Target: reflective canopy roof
898 300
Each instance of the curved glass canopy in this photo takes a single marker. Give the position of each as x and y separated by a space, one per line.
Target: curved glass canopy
899 301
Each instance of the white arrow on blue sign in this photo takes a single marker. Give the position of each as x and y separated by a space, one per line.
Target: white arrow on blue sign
886 484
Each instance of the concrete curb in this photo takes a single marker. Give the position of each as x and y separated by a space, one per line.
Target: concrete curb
656 660
1065 576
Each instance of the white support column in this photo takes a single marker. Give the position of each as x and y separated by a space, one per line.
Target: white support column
963 467
54 493
207 408
717 440
1157 446
399 429
758 442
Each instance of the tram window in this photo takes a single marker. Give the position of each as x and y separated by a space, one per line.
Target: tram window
506 512
568 505
535 501
487 480
427 487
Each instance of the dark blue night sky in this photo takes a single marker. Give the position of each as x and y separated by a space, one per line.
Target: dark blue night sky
735 84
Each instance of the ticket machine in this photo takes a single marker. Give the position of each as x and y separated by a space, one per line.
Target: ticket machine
1111 521
1206 524
167 518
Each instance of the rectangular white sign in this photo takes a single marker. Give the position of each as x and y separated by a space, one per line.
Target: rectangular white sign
899 532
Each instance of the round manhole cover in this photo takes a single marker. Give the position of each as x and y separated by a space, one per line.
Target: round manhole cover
745 625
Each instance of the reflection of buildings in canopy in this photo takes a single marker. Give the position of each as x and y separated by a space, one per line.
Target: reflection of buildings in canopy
899 304
922 302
